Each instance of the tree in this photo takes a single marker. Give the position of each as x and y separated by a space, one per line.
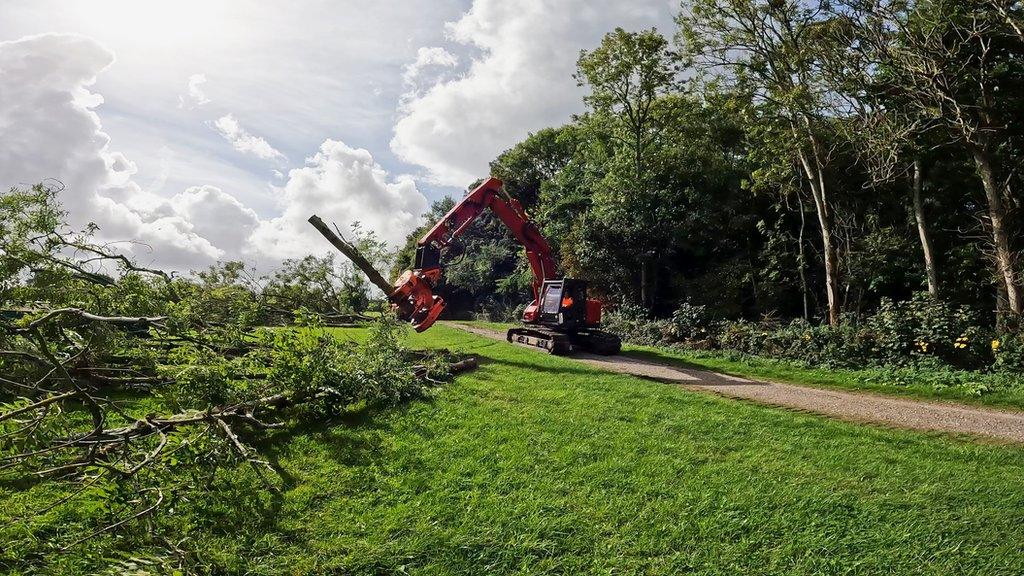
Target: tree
524 168
927 248
626 75
771 50
888 140
321 285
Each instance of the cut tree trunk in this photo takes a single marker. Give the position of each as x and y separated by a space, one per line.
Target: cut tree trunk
352 253
1005 265
922 231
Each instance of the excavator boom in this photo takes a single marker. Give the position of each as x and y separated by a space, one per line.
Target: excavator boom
413 295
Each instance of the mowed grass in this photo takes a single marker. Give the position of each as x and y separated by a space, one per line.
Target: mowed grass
534 464
956 385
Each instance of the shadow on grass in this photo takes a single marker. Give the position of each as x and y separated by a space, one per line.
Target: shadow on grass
654 356
650 367
345 436
352 439
707 375
581 370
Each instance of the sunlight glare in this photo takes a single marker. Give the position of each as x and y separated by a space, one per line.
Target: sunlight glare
159 24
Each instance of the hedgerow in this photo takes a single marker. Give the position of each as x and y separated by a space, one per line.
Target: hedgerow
922 334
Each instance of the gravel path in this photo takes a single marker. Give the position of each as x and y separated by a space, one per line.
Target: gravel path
854 406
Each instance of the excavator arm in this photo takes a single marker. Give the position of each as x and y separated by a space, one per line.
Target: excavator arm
414 296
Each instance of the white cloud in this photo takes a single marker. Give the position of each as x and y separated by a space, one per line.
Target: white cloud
195 97
522 81
343 185
294 77
51 131
243 141
427 57
217 216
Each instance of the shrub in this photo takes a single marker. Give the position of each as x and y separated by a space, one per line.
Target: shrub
632 323
926 327
690 322
1008 350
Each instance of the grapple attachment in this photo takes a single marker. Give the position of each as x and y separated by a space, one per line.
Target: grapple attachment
414 300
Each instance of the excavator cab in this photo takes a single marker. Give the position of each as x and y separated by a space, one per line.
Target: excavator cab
563 304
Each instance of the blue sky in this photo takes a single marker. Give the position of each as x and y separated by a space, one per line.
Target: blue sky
267 110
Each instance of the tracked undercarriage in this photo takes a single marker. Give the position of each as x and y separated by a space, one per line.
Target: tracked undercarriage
559 343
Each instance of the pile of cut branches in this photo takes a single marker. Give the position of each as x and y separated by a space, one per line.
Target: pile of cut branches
131 385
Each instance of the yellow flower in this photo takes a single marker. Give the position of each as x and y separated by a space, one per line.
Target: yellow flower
995 344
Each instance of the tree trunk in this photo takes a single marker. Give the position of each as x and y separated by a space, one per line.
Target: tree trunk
645 284
922 231
1000 235
817 181
802 259
1002 310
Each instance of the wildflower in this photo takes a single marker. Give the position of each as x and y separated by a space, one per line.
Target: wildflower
960 342
995 345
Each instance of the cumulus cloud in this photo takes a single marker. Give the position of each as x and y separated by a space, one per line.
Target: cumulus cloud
243 141
51 131
344 185
427 57
217 216
521 82
195 97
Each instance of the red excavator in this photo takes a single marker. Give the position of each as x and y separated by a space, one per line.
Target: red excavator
560 319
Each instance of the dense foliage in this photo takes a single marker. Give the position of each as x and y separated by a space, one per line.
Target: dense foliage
793 168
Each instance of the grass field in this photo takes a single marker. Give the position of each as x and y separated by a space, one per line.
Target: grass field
535 464
958 385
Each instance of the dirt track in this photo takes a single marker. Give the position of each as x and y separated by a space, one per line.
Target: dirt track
854 406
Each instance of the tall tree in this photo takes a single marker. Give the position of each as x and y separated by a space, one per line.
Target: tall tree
890 143
626 75
524 168
770 49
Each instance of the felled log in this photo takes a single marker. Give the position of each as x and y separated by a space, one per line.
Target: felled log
465 365
352 253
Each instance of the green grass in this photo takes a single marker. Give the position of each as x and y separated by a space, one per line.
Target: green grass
941 384
535 464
